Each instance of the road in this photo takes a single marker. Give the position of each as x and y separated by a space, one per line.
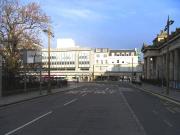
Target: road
94 109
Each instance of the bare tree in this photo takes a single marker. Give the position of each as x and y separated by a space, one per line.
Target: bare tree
20 26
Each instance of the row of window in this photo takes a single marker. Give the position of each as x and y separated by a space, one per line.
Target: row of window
61 63
98 55
69 69
83 62
118 61
51 57
123 54
66 63
101 62
106 62
83 57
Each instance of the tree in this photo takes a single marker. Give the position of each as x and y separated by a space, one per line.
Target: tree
20 26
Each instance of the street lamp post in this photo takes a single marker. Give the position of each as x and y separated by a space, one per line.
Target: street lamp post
167 27
50 34
132 70
0 76
93 72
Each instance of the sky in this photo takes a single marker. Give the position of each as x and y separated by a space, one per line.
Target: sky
116 24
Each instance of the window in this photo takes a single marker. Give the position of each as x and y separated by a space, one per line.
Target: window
122 61
117 61
105 55
101 61
104 50
106 62
97 55
98 50
97 61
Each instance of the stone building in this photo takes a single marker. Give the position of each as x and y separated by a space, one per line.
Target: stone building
157 64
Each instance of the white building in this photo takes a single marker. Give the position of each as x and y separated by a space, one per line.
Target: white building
86 64
71 63
89 64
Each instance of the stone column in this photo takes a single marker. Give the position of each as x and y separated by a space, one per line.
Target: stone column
148 67
171 66
164 66
158 70
155 72
145 68
176 64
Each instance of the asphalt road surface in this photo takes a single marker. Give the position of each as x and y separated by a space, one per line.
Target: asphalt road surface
94 109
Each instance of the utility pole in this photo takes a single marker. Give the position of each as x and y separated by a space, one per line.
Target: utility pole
132 70
167 27
49 57
50 34
0 76
93 72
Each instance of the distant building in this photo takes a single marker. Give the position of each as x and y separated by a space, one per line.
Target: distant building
71 63
88 64
155 58
83 63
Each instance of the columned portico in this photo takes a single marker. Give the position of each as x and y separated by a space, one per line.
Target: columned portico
162 58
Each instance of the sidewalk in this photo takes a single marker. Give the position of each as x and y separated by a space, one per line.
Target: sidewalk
173 94
4 101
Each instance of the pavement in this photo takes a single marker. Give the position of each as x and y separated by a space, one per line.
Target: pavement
12 99
173 96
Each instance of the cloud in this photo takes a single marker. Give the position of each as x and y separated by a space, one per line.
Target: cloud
84 14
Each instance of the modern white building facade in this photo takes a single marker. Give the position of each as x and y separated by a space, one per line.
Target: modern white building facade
87 64
70 63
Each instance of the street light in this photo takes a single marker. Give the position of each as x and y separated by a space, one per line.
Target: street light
167 27
0 75
50 34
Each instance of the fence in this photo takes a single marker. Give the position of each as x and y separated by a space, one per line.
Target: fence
20 83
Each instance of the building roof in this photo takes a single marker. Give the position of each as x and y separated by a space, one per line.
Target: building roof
157 44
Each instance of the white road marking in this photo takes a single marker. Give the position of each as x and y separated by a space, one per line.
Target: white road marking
170 110
84 94
133 114
168 123
70 102
34 120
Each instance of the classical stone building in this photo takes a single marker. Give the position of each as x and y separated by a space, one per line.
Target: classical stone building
157 64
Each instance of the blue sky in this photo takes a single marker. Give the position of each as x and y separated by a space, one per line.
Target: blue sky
117 24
